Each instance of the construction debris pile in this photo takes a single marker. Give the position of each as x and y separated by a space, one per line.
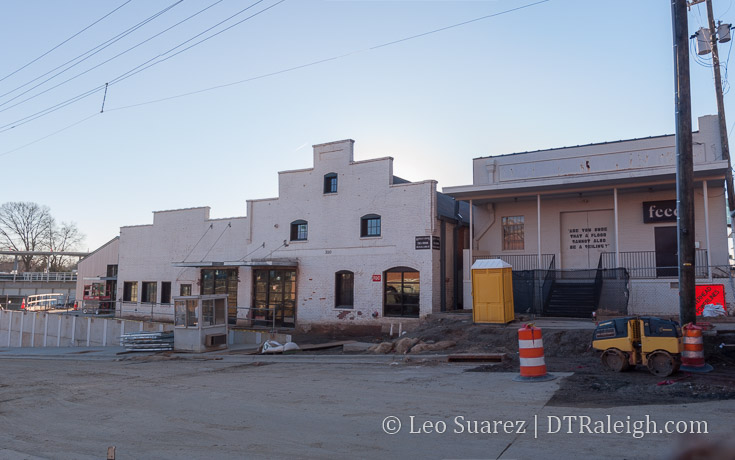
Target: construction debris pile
147 341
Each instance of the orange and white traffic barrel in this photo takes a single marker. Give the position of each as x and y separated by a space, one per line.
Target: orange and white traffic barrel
692 355
531 355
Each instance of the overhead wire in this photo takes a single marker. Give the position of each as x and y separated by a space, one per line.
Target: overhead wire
321 61
135 70
78 122
100 64
48 110
138 69
290 69
91 52
63 42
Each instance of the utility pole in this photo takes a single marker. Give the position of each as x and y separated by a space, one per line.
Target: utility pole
721 108
684 163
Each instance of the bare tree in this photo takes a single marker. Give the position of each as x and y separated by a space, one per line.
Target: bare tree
62 238
28 226
24 226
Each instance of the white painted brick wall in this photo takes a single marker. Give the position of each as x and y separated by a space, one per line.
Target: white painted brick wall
408 210
95 265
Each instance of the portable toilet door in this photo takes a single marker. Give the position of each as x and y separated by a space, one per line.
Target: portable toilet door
492 291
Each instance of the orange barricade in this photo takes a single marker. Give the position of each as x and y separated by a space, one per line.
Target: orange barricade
692 356
531 355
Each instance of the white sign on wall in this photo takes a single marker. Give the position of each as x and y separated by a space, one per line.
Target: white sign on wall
584 236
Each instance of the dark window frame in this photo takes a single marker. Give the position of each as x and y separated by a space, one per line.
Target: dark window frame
165 292
513 228
146 292
371 226
185 289
130 291
344 290
223 280
299 230
398 298
330 183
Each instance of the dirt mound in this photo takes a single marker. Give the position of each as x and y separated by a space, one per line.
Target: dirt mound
493 338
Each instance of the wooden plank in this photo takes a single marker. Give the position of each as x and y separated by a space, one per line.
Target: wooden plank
476 357
324 346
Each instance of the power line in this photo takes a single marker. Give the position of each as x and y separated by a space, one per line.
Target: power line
88 93
98 48
49 135
57 46
459 24
49 110
133 71
98 65
321 61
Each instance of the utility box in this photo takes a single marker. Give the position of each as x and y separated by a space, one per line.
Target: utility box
200 323
492 291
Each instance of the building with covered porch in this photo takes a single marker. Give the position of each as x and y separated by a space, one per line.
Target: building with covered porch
593 227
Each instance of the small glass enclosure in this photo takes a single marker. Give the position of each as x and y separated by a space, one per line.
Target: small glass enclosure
200 323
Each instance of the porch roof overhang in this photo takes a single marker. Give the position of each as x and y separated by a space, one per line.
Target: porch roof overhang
240 263
564 184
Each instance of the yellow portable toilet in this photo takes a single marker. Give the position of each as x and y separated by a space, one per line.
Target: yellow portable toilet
492 291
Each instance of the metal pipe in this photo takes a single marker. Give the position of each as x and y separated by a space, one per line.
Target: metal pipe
706 229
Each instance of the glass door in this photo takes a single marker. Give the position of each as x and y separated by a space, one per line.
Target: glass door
274 298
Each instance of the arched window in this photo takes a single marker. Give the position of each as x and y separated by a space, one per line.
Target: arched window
344 289
401 290
299 230
370 225
330 183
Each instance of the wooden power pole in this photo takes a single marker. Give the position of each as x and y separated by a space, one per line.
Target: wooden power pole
684 162
721 108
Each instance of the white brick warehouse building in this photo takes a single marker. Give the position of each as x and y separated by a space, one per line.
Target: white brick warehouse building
345 243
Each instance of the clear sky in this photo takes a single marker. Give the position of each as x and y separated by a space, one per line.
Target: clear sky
554 74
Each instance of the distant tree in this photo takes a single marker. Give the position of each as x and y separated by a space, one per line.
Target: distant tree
26 226
23 227
62 238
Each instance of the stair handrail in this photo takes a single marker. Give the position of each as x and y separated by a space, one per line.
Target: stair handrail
598 283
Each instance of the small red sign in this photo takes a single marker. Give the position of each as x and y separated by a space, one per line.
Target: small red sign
709 293
376 278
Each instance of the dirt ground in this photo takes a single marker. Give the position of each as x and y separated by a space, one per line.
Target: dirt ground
570 351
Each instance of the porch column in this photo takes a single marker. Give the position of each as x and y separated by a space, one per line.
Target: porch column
538 229
706 229
472 232
617 246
